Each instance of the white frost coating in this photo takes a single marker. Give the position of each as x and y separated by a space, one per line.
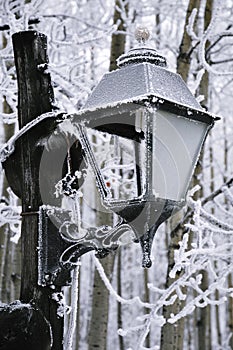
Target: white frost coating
68 341
139 120
197 249
114 293
203 298
143 335
207 36
211 219
15 239
16 305
10 214
27 10
148 79
9 147
179 255
66 127
197 83
62 307
134 82
190 25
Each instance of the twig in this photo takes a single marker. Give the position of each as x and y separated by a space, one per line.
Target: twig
31 21
204 201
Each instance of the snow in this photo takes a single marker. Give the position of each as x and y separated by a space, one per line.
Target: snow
15 305
133 82
68 341
78 52
114 293
62 308
7 149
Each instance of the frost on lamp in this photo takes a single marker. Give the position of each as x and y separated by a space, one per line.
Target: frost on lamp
152 129
156 129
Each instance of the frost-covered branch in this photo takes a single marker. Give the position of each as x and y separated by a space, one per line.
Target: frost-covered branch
207 37
68 341
114 293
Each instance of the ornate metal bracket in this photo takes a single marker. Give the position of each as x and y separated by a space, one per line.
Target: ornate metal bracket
60 250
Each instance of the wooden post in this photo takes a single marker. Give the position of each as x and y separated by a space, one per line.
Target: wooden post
35 97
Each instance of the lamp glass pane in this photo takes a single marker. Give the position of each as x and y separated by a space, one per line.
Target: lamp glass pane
177 143
119 161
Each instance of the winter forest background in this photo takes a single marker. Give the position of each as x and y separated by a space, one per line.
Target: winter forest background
186 297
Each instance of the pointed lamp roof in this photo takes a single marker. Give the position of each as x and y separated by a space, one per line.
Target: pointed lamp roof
142 72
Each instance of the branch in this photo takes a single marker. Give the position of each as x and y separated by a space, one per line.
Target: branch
217 192
60 17
204 201
205 38
221 61
220 36
31 21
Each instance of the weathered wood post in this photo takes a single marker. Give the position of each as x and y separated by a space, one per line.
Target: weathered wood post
35 97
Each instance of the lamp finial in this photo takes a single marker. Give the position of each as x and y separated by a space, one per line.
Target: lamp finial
142 34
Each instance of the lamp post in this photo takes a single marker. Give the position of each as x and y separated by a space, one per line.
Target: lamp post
156 128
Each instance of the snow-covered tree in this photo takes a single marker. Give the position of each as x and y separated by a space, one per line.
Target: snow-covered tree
186 296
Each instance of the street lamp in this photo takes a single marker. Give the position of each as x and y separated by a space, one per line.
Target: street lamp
153 129
156 121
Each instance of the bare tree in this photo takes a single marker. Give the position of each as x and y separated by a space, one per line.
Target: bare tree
100 302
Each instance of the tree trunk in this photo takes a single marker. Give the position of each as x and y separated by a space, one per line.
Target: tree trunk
230 312
100 303
185 50
100 307
118 40
157 27
172 335
97 338
204 325
9 252
35 97
119 307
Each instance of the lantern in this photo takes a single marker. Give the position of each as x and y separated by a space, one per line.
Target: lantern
158 129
